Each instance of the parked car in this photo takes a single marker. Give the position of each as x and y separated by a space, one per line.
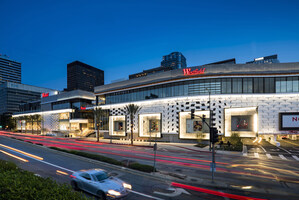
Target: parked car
99 183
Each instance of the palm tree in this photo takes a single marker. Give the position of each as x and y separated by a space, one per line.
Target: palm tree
36 118
21 118
26 118
97 113
132 110
31 118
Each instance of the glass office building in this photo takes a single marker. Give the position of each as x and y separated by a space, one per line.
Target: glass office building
248 99
10 70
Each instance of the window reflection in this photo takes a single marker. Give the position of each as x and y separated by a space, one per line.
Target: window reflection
246 85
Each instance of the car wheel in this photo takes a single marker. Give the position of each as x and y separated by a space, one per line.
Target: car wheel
101 195
74 185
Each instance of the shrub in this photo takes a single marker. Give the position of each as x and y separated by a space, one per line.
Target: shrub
92 156
141 167
235 139
137 166
7 166
17 184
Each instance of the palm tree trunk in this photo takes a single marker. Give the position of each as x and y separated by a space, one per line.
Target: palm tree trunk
132 133
98 135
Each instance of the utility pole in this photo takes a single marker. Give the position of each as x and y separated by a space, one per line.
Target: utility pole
210 113
213 138
155 150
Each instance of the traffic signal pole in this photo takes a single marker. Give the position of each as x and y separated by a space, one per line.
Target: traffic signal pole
213 138
213 161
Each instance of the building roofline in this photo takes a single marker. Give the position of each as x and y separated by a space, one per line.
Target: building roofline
84 64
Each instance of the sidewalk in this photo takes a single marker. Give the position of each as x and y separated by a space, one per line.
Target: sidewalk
162 145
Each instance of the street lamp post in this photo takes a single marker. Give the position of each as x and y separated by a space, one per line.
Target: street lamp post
155 151
210 121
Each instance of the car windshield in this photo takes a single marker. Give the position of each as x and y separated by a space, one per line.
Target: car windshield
99 176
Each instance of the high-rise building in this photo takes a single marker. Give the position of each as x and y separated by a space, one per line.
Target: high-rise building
9 70
14 94
81 76
263 60
175 60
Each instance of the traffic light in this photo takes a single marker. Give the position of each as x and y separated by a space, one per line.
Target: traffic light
192 113
214 135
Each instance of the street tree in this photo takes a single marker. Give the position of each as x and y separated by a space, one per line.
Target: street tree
132 110
36 118
97 113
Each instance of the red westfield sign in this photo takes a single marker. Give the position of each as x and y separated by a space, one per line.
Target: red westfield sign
188 72
83 108
45 94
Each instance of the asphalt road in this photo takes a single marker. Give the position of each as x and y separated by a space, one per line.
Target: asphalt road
239 172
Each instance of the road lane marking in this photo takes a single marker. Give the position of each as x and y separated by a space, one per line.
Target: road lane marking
284 150
139 193
269 156
22 152
245 154
145 195
282 157
263 148
14 156
256 155
295 157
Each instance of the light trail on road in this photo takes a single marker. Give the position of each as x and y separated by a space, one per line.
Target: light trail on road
213 192
71 145
14 156
22 152
63 168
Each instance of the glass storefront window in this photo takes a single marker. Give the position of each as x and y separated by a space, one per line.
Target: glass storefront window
150 125
154 125
246 85
119 125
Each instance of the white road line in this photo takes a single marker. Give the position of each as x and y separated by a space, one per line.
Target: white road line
296 158
284 150
263 148
244 154
269 156
145 195
43 161
282 157
256 155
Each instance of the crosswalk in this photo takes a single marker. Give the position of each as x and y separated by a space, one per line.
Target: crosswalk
271 156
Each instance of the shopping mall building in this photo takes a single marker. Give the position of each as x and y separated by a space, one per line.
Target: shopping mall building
248 99
62 113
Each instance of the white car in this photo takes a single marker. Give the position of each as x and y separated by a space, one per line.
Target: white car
100 184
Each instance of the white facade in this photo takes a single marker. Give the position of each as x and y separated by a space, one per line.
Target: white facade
262 110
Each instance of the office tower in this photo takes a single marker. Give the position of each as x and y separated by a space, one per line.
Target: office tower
175 60
264 60
9 70
81 76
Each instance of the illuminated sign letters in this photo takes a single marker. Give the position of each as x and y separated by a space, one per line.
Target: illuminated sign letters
188 72
289 121
83 108
45 95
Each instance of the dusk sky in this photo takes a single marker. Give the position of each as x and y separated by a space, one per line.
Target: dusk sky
128 36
